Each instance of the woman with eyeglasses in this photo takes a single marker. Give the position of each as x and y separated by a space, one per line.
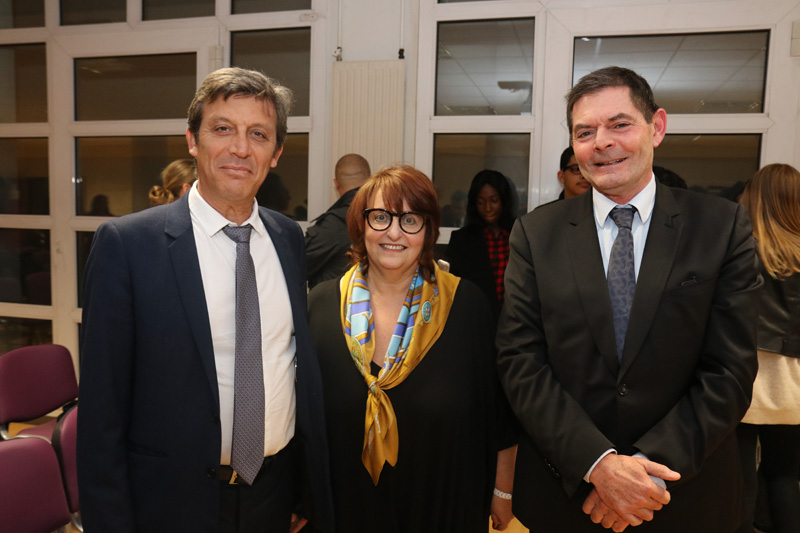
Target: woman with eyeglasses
479 251
408 364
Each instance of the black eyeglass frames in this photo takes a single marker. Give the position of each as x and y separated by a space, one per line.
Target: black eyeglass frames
411 222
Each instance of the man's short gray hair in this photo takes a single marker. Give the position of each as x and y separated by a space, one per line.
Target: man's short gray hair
235 81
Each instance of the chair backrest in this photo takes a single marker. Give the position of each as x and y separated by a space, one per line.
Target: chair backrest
65 437
34 381
33 496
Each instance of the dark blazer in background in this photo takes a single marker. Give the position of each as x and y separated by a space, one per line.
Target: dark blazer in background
327 242
469 259
686 375
149 431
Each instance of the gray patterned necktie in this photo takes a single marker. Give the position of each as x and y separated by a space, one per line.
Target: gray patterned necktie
247 451
621 276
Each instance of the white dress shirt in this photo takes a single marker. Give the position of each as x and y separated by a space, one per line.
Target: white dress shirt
607 230
217 255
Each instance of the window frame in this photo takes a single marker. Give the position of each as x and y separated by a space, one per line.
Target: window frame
570 23
209 38
558 24
428 124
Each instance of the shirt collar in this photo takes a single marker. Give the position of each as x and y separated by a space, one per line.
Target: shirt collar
212 222
643 202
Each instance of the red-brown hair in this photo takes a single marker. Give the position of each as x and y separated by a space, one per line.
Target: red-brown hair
398 184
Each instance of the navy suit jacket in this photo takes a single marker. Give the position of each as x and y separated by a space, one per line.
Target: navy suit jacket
686 375
149 432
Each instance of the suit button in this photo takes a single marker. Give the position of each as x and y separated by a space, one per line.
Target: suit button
215 418
622 390
211 472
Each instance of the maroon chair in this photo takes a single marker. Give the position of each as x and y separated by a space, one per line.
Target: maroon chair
34 381
33 497
64 443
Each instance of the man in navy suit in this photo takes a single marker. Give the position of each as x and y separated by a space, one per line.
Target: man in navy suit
158 343
632 425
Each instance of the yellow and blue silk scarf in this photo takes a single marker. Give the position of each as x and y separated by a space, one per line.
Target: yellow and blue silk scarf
419 325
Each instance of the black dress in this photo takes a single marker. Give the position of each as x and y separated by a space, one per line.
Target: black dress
447 425
469 258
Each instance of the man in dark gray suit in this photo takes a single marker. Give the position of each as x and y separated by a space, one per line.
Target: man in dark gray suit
327 241
628 409
160 380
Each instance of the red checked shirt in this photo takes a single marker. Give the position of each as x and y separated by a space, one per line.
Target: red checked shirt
498 257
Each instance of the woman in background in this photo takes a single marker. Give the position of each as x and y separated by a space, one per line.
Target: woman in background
413 346
176 179
479 251
772 197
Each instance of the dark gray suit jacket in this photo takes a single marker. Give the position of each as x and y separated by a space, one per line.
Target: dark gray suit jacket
149 433
686 374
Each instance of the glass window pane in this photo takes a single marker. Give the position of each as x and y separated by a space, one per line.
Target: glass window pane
92 11
262 6
485 67
25 266
134 87
175 9
281 54
115 174
458 157
23 83
23 177
21 13
83 242
689 73
711 163
20 332
286 187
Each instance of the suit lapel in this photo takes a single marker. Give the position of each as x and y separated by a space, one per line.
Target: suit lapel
659 254
587 267
186 267
291 270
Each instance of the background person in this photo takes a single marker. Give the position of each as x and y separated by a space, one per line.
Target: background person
162 389
620 366
327 242
772 197
479 251
176 179
669 177
100 207
454 214
413 345
570 175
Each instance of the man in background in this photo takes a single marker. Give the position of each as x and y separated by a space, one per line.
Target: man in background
454 214
201 396
327 241
570 176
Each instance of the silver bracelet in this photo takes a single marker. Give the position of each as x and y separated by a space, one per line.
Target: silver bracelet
502 495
